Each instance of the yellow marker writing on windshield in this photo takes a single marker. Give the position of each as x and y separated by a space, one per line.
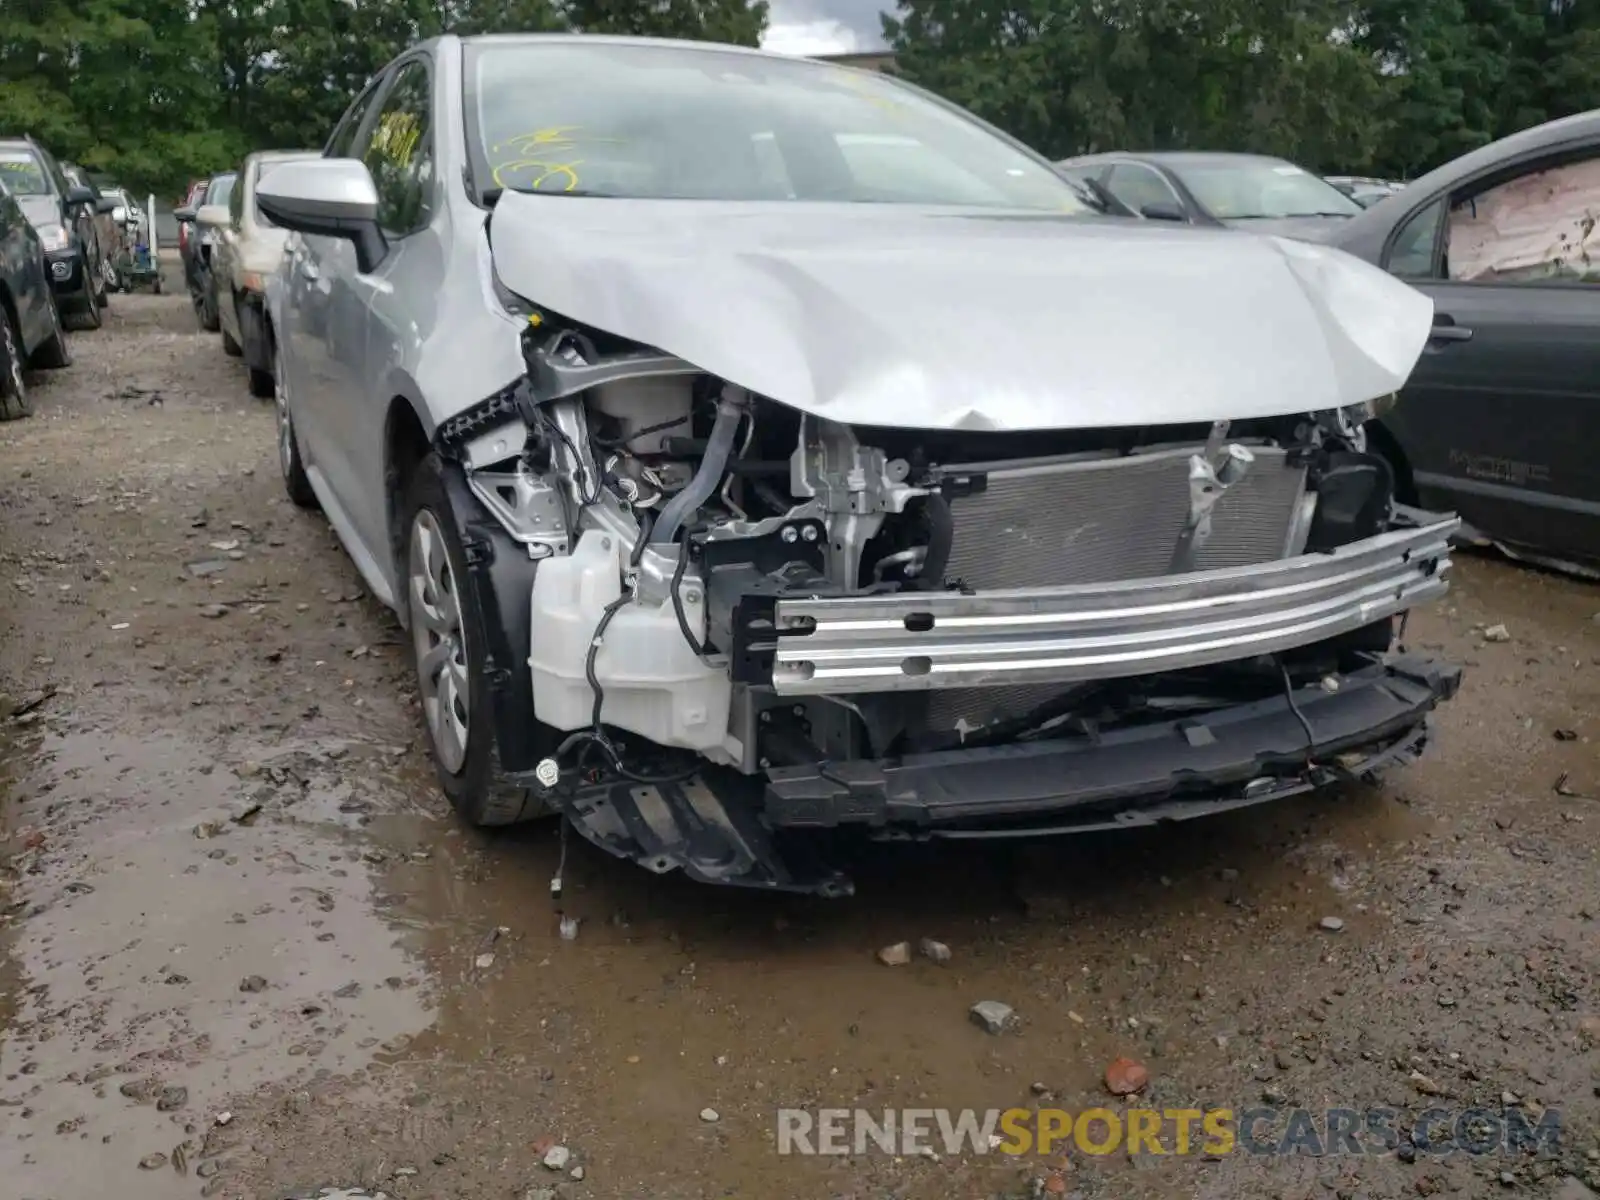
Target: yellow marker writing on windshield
554 171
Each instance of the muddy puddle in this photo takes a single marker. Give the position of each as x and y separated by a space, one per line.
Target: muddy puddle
172 952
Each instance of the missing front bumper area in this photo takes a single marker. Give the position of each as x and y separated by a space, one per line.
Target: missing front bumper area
724 828
804 645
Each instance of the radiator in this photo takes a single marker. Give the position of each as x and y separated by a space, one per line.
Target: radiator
1039 524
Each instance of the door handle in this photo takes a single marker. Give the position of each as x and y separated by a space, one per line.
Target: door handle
1450 332
308 270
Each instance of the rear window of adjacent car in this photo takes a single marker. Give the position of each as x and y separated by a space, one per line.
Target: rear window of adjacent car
24 173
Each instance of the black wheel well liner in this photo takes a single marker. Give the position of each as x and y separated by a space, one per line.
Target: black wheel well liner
499 577
8 306
405 444
1383 442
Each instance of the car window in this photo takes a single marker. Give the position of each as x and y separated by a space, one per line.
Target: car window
1411 254
24 174
220 190
680 122
1539 227
1245 189
236 204
891 167
342 143
400 152
1137 186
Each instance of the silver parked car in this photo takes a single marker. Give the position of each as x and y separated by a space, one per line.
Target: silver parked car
753 445
246 253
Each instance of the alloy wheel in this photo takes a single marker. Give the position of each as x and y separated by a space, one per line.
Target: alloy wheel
441 641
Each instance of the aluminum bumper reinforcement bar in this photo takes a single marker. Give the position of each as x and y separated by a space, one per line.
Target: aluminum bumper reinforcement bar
1103 630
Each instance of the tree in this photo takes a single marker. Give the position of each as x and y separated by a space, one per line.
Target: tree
738 21
123 86
1070 77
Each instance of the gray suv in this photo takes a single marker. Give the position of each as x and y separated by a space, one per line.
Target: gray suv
66 216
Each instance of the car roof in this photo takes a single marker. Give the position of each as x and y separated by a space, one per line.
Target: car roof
1539 137
607 39
1365 233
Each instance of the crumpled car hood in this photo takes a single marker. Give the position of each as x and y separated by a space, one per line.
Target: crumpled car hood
947 319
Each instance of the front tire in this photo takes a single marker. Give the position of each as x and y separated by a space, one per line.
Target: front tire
448 651
13 388
230 347
295 480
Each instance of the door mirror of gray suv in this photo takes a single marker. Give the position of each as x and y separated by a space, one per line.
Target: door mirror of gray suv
330 197
79 195
1164 210
105 204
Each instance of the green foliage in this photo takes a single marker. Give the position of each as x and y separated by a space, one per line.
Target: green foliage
1387 86
703 20
155 92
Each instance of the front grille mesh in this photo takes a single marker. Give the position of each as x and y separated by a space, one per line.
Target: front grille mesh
1050 524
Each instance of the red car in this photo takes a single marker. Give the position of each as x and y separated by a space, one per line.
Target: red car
197 189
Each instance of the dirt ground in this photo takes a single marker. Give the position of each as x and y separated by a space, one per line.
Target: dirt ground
250 952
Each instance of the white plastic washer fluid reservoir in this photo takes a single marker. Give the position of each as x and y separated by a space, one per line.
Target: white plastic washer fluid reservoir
653 683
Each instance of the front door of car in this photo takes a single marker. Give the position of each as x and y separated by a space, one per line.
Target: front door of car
308 373
225 257
372 315
1500 416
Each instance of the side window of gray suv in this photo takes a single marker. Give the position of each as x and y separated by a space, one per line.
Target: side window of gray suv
400 152
342 143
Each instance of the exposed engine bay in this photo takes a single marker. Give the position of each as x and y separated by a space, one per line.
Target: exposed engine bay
744 618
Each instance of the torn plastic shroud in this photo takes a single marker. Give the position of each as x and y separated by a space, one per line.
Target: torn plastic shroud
726 828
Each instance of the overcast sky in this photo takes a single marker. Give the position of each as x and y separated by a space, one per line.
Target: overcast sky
824 26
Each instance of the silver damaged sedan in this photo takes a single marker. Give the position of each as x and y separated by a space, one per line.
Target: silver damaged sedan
762 452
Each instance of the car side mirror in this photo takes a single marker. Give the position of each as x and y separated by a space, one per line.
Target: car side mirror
119 214
105 204
184 213
79 194
1166 210
327 197
212 216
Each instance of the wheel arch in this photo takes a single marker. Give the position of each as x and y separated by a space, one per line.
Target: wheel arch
405 445
1381 439
8 305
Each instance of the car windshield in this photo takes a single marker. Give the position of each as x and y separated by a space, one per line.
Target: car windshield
1246 189
24 173
688 123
